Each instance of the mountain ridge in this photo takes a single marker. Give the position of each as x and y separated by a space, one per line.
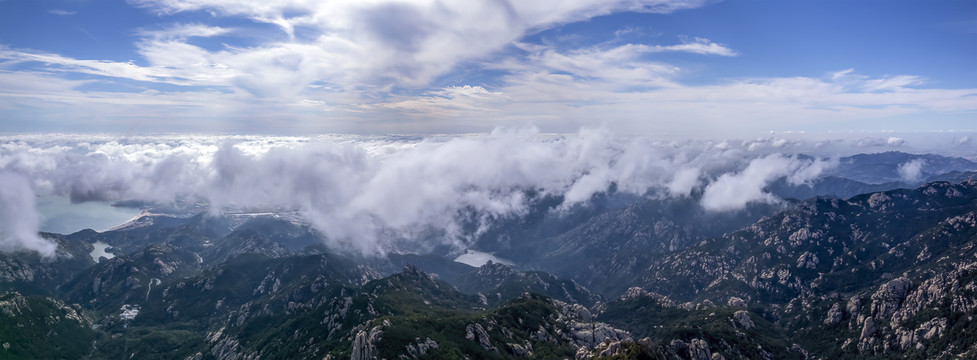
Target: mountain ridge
880 274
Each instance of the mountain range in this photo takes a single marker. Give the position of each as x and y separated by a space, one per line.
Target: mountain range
860 263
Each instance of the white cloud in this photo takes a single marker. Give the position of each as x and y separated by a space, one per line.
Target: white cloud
895 141
363 47
811 170
655 103
184 31
18 217
61 12
892 83
697 46
733 191
912 170
685 180
468 90
114 69
456 100
406 43
842 74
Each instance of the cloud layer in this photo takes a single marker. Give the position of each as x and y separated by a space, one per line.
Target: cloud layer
369 194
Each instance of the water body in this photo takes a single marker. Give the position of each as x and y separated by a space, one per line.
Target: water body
478 258
100 251
60 216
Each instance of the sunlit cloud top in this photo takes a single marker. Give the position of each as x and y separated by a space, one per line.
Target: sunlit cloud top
658 67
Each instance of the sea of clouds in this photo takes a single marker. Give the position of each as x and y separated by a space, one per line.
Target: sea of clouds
355 188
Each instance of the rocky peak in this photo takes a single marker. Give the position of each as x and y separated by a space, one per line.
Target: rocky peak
889 297
494 270
410 269
741 319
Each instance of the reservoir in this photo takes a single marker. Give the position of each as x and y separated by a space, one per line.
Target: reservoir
100 251
478 258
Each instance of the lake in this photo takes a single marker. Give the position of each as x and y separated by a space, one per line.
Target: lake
58 215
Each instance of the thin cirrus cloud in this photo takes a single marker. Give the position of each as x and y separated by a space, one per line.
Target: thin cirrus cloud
552 93
410 43
184 31
61 12
126 70
696 46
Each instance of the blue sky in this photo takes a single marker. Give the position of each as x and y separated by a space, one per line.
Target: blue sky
686 68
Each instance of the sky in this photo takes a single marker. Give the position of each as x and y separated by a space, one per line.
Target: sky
666 68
